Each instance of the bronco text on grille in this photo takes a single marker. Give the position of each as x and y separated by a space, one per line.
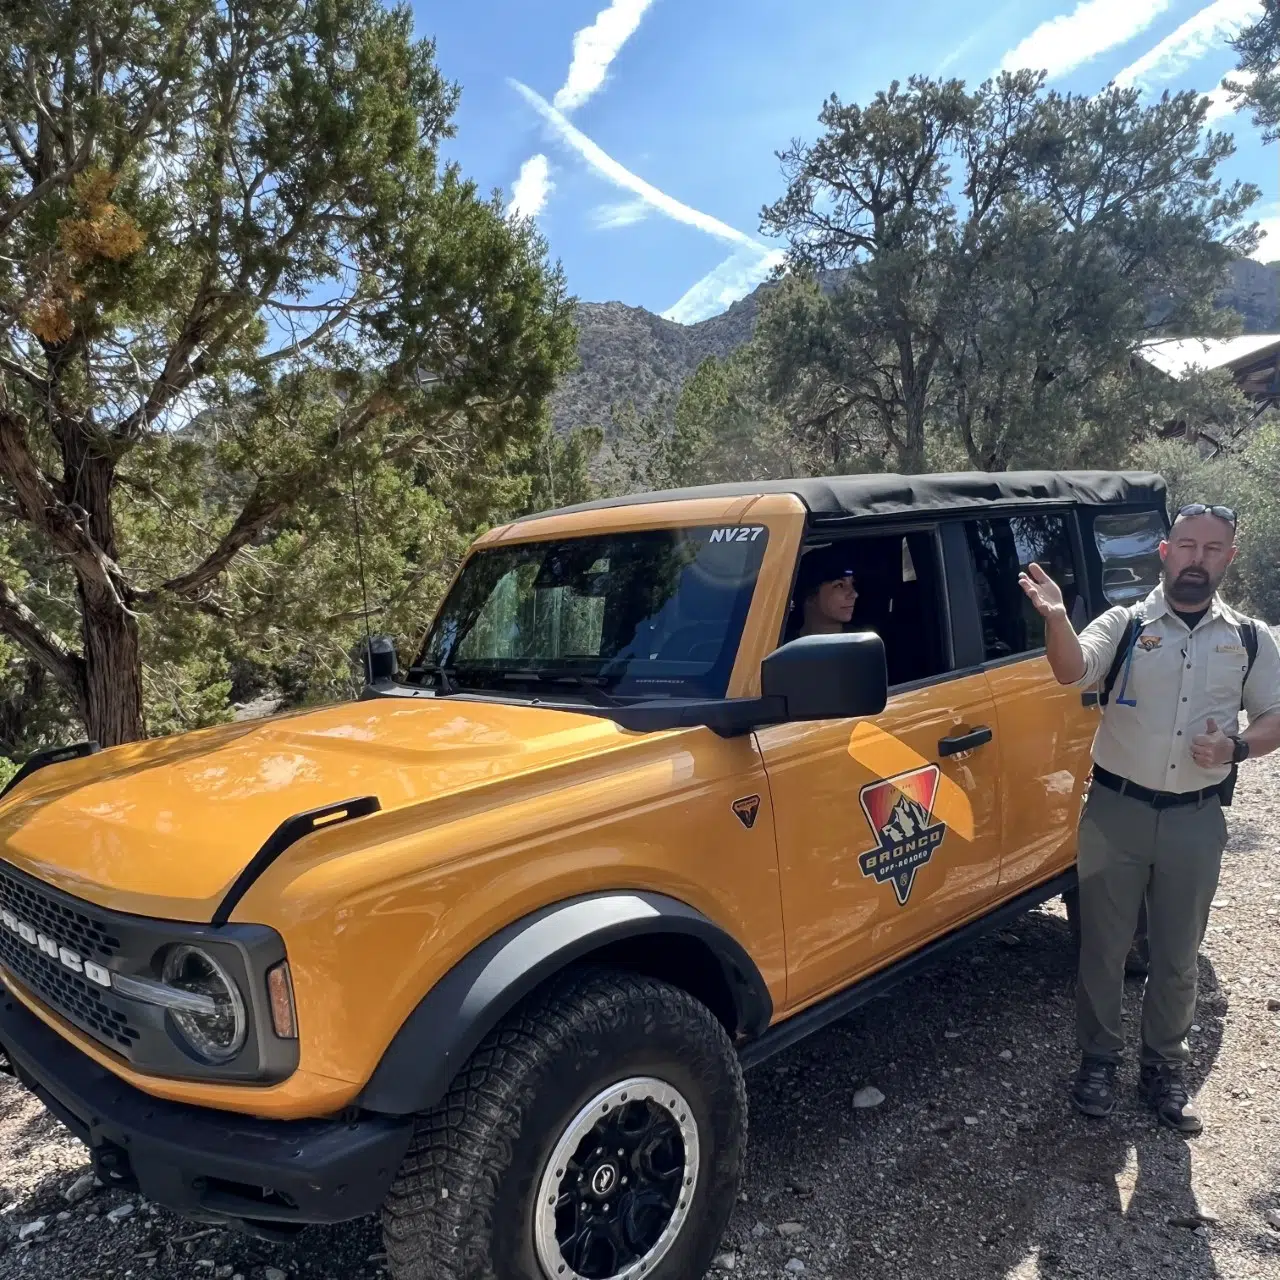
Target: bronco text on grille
58 953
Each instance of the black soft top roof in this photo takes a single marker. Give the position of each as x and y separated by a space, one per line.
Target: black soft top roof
837 497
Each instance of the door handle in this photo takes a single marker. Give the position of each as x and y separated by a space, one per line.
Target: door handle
965 741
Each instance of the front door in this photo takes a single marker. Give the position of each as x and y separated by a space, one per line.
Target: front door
888 829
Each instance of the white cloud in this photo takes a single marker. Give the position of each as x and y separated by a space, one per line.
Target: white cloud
1200 34
1222 102
595 47
607 167
531 189
609 217
734 278
1072 39
1268 249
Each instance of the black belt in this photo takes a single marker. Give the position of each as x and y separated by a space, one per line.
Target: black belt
1156 799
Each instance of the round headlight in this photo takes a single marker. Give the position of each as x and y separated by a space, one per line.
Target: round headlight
217 1036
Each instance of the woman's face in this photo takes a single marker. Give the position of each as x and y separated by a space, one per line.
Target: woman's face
837 598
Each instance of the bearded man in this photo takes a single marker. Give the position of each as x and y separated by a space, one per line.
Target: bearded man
1165 756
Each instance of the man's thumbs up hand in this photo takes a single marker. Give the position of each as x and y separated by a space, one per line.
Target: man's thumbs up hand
1212 748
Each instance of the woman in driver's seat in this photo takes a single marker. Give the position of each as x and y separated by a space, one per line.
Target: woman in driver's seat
825 593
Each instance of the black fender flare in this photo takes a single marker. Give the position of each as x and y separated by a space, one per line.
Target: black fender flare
457 1013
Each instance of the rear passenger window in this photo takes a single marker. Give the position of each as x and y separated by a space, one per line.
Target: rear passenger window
1129 545
1002 548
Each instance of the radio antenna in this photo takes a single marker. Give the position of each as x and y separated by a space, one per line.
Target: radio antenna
364 592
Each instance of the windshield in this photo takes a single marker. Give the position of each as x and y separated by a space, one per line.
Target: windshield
656 613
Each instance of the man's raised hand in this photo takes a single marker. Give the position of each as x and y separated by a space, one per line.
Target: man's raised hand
1045 594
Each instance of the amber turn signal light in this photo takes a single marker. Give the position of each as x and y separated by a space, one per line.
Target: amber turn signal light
280 989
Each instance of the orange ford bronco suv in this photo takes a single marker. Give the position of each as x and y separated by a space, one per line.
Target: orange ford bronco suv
489 948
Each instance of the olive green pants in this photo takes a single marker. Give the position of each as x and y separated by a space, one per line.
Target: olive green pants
1127 850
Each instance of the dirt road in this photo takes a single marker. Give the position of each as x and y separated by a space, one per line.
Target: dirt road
972 1167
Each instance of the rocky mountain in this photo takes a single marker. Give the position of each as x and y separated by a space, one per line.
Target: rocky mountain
628 353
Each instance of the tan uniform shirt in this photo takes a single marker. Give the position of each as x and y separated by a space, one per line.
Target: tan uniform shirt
1179 680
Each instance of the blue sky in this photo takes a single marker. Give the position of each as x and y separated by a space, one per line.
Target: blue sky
642 134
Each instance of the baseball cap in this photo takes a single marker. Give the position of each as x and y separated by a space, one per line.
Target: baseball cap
823 564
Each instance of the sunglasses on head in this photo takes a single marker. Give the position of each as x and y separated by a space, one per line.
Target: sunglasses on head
1202 508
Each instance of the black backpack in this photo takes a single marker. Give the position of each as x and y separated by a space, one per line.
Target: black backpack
1248 631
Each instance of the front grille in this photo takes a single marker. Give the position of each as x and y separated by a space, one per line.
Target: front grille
72 926
75 925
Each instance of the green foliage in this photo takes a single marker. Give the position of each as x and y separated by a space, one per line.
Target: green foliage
1258 50
982 265
726 428
1249 481
245 302
559 468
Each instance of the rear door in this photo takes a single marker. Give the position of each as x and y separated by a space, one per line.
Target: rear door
1045 730
888 829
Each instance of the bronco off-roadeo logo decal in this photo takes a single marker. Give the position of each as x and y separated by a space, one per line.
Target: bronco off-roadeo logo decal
900 811
746 809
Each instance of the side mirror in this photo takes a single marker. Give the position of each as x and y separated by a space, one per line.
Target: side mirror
836 677
381 663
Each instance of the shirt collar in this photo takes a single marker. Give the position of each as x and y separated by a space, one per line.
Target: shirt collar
1157 605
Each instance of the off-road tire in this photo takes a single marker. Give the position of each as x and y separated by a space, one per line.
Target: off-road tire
461 1206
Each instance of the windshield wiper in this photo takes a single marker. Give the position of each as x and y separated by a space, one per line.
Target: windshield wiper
588 685
591 687
436 669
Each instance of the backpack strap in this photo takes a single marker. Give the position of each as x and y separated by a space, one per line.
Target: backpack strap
1128 638
1248 631
1249 637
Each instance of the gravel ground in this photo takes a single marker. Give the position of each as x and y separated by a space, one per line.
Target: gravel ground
971 1165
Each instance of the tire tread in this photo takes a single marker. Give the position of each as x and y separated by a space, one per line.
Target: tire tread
438 1215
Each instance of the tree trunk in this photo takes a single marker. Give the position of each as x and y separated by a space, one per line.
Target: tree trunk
113 676
112 654
912 453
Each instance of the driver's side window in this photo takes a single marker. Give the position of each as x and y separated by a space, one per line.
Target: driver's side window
899 586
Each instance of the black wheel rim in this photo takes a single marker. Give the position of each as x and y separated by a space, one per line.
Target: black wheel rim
617 1190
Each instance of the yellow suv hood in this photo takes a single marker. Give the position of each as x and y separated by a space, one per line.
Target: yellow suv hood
163 828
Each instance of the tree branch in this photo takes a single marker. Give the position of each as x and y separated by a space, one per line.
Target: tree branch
49 649
42 189
262 507
42 507
29 376
20 150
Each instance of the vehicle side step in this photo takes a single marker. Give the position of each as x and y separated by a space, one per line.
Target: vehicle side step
801 1025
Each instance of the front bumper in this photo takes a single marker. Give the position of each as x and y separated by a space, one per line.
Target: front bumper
269 1177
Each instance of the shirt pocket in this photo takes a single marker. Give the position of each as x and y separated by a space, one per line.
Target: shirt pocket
1225 677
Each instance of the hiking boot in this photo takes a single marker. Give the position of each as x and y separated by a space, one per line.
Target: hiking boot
1166 1093
1094 1090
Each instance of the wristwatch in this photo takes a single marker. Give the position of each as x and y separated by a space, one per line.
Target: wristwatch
1241 749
